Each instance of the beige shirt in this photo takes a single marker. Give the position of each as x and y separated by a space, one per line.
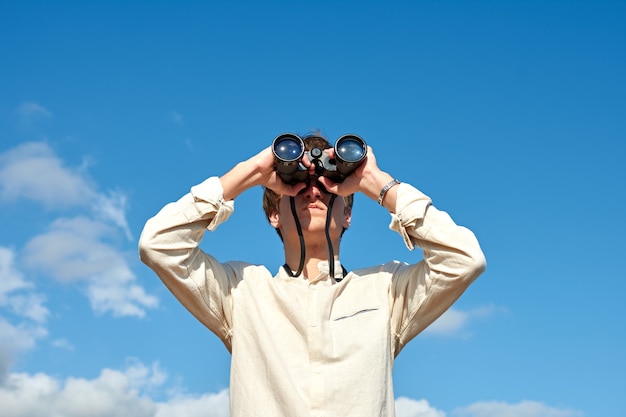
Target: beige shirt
317 348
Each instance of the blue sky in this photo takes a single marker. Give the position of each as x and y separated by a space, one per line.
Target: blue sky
511 115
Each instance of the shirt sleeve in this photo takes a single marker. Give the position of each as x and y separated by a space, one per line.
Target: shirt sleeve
452 260
169 245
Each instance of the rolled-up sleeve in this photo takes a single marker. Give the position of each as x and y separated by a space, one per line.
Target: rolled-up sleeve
452 260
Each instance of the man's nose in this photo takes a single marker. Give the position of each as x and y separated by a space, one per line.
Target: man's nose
313 190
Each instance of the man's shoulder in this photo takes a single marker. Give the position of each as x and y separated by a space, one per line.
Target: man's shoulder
245 270
385 268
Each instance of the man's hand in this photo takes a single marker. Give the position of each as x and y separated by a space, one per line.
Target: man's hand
368 178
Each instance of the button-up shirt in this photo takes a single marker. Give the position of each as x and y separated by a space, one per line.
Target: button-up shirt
311 347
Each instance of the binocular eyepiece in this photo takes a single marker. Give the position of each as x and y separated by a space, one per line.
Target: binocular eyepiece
288 148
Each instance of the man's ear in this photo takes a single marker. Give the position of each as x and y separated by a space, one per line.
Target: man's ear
347 217
274 219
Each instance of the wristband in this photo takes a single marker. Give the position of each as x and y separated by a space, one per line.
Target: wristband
384 190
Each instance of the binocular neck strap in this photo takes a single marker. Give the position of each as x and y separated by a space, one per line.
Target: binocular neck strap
331 254
292 202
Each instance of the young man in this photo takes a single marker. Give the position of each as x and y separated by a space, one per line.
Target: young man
311 344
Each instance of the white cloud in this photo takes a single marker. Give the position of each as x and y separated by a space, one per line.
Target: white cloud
406 407
454 322
72 249
40 395
131 392
76 250
32 171
30 114
16 293
113 207
10 278
31 109
26 308
83 249
21 337
112 393
144 378
63 344
15 339
118 297
29 306
206 405
522 409
451 322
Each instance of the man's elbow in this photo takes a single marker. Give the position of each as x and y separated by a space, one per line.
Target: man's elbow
147 247
476 263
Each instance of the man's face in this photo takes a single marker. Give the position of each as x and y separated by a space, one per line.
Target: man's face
311 207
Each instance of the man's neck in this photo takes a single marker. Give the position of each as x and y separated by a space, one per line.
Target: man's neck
315 253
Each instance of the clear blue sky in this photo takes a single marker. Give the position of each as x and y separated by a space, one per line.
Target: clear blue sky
511 115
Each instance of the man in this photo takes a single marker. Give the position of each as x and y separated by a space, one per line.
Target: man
305 342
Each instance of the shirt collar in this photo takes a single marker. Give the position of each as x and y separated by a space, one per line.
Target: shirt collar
323 267
323 275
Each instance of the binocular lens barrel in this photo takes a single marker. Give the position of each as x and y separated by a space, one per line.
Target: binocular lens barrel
350 149
288 148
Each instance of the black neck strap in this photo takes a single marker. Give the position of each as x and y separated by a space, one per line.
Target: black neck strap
292 202
331 254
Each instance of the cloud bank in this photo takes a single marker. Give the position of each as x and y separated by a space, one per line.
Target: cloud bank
86 245
83 248
131 392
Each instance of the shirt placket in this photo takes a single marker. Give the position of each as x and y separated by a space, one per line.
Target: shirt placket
315 344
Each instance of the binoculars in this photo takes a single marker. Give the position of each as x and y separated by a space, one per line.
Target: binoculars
288 148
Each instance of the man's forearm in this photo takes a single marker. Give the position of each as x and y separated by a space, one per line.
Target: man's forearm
243 176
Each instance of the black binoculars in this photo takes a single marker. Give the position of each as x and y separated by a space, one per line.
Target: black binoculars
288 148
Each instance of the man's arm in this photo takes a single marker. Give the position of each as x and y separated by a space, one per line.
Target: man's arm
258 170
169 243
452 256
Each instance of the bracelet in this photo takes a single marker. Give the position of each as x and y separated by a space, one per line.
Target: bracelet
384 190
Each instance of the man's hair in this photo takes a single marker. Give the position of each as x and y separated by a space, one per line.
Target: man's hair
271 199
